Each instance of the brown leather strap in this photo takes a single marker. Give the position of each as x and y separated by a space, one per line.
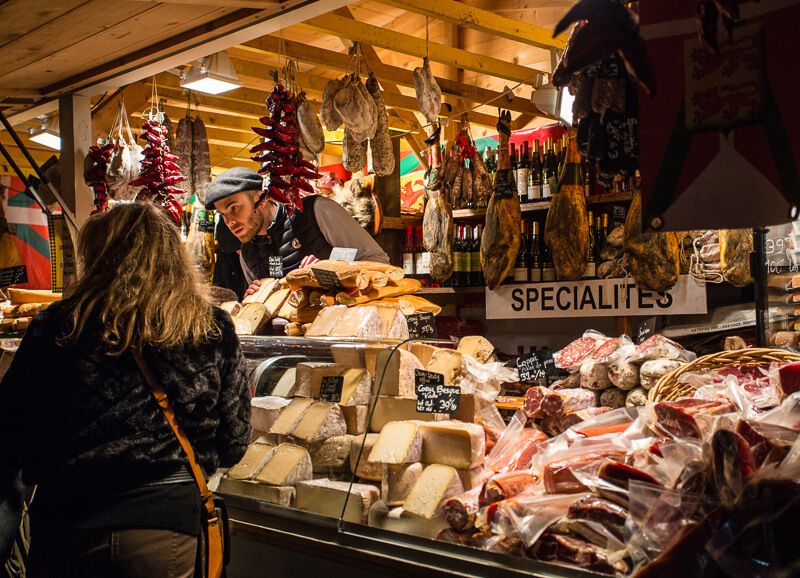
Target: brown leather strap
161 397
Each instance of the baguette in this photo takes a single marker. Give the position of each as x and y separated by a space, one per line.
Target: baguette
21 323
402 287
349 276
422 305
304 314
300 297
394 273
378 279
32 296
293 329
24 310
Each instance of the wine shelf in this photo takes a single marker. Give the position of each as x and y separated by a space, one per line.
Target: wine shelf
545 205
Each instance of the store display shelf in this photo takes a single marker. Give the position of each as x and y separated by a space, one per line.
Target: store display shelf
545 205
450 290
402 222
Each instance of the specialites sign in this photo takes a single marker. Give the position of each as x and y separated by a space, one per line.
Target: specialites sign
601 298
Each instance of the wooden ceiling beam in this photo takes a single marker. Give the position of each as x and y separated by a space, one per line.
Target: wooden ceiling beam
337 25
483 20
254 4
263 49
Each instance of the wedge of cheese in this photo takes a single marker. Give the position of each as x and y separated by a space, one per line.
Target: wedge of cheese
470 407
254 459
450 364
321 421
363 468
453 443
256 314
327 498
391 408
275 301
357 387
355 418
265 410
423 352
232 307
436 484
290 416
473 477
397 482
331 455
281 495
309 377
357 355
326 320
287 465
359 322
396 367
267 286
393 323
400 521
286 383
478 347
400 442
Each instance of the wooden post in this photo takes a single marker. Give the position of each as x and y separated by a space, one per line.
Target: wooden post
75 125
387 190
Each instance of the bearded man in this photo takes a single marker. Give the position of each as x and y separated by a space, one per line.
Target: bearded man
268 231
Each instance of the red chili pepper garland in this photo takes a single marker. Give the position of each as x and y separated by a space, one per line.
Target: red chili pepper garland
159 171
95 175
280 154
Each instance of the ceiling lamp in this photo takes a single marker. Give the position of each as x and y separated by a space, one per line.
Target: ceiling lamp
47 134
213 75
556 102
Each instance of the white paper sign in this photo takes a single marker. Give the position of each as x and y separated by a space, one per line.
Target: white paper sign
601 298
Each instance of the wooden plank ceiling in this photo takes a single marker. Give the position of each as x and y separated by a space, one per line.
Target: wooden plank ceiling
478 50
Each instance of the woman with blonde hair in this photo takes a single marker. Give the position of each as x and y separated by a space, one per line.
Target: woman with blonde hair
114 495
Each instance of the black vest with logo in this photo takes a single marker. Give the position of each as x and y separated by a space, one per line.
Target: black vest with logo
290 238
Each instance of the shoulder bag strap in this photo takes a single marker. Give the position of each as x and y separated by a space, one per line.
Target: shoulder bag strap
169 413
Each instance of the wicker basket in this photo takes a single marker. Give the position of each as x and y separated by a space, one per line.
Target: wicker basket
667 388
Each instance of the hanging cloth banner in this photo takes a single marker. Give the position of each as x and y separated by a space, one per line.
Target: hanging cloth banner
720 149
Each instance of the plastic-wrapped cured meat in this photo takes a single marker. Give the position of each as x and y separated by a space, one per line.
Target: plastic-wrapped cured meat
557 403
654 258
735 248
567 226
460 511
594 376
574 353
503 486
518 455
654 369
612 397
621 475
568 420
201 159
660 347
624 374
555 548
381 146
559 479
732 464
534 398
612 516
675 418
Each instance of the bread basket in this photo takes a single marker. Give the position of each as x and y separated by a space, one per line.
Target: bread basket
667 388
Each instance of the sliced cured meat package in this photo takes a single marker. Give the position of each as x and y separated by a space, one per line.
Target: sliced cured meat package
460 511
555 548
612 516
534 398
732 464
571 419
518 455
574 353
557 403
504 486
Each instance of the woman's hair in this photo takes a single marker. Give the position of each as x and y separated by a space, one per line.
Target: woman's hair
137 279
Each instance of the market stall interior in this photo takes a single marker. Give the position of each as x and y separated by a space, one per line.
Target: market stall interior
549 378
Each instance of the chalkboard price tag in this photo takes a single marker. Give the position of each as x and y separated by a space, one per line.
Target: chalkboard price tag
13 275
646 329
433 396
343 254
276 267
536 366
328 279
330 389
421 326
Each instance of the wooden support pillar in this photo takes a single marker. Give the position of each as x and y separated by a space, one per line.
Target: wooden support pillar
387 190
75 125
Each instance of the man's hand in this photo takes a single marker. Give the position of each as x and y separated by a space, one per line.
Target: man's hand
309 260
253 287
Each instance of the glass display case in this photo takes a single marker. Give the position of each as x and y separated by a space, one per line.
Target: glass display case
308 485
778 250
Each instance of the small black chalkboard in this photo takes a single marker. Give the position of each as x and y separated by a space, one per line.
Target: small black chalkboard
505 190
343 254
13 275
326 278
433 396
205 226
330 389
536 366
276 267
646 329
421 326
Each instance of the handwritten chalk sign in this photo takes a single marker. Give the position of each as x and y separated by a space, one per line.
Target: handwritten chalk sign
330 388
343 254
328 279
433 396
536 366
13 275
421 326
276 267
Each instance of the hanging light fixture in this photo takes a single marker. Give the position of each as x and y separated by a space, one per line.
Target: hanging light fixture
47 134
556 102
213 75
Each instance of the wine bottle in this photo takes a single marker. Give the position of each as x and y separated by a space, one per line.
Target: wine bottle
476 276
521 266
548 176
591 265
466 256
522 174
535 175
548 268
457 278
535 260
408 254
